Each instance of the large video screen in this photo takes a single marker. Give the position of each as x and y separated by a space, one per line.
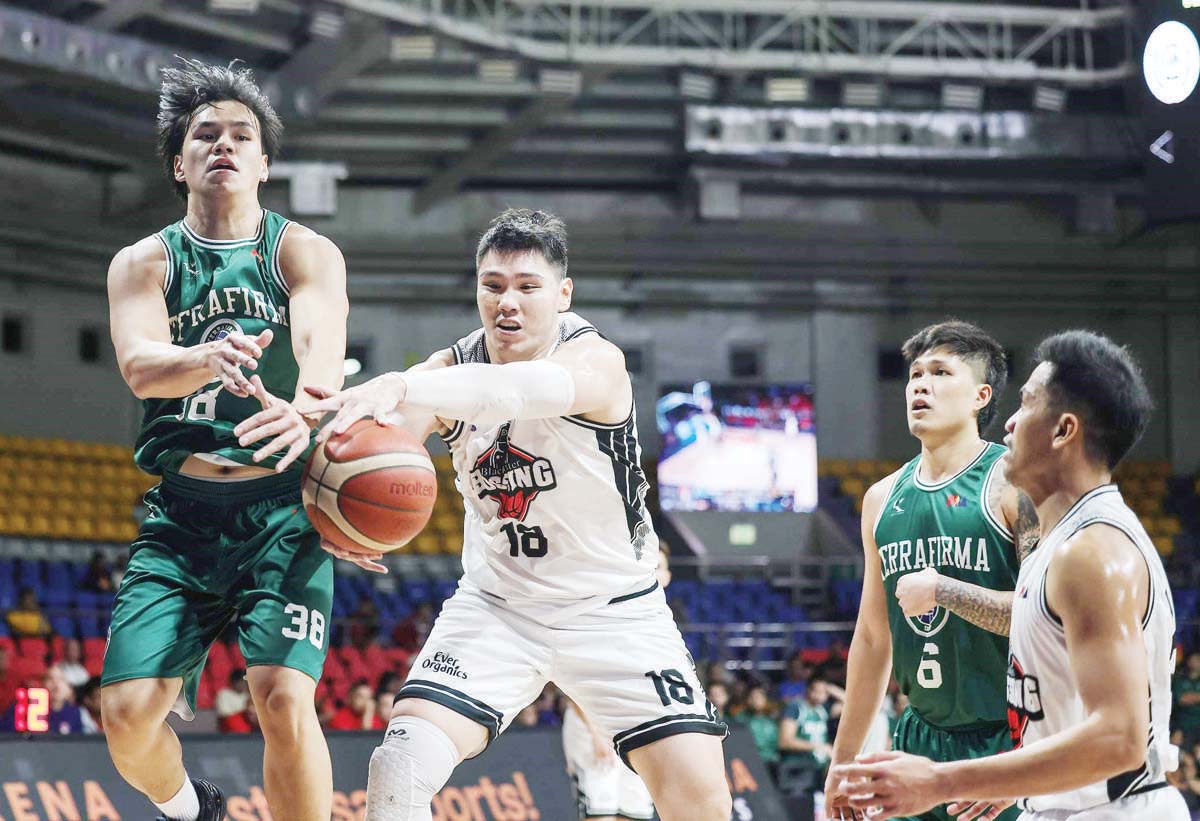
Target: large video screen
1169 54
737 448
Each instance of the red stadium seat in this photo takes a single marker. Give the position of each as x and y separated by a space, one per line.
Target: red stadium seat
30 647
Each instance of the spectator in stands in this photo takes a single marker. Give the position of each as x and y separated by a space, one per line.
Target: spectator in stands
761 719
65 715
833 669
88 697
358 713
715 671
718 696
796 683
411 633
27 619
1185 689
9 681
364 623
804 739
99 576
63 718
233 704
72 664
385 692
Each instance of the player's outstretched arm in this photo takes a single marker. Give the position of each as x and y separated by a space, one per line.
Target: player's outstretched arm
141 333
585 377
1098 585
316 276
870 659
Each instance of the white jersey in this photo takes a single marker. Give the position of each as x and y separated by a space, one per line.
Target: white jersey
1043 698
556 520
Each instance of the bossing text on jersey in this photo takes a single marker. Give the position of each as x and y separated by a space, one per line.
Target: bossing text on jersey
511 476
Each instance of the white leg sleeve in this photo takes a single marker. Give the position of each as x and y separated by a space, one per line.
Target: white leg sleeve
407 770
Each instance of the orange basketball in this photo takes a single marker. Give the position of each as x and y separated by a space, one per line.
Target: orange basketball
372 487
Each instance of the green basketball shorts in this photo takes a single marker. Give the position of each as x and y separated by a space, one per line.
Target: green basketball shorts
914 735
211 555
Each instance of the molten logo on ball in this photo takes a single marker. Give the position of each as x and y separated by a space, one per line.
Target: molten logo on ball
411 489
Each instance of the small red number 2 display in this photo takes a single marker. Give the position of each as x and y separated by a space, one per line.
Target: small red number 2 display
33 710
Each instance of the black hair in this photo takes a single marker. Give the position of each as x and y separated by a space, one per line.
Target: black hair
971 344
191 85
1100 381
521 229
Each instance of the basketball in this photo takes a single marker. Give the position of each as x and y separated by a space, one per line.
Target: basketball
372 487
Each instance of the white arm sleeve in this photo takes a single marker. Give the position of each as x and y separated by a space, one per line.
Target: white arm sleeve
488 394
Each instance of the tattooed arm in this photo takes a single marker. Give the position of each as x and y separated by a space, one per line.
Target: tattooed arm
919 593
1016 510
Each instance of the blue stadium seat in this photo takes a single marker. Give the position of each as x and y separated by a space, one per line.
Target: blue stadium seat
58 576
445 588
89 627
63 626
419 592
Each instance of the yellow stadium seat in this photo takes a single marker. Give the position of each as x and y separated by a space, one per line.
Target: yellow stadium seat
18 524
854 486
1169 526
1164 546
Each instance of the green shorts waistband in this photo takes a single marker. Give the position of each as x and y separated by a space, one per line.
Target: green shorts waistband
228 494
983 728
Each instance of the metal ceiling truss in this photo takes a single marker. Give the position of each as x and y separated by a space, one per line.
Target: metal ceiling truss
987 41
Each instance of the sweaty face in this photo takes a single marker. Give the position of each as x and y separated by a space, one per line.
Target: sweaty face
520 297
1030 431
943 393
222 151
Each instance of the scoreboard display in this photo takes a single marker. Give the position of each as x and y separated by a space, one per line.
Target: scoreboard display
1169 99
31 712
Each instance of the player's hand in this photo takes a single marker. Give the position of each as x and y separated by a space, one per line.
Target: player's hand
978 810
279 419
365 559
837 805
916 592
228 355
376 398
890 784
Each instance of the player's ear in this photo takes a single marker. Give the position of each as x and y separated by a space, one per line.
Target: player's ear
265 173
178 166
983 396
1067 430
566 288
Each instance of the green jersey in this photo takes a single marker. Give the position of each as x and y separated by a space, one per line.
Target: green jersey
952 671
812 724
213 288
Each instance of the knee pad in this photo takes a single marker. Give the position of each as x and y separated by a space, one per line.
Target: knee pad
407 770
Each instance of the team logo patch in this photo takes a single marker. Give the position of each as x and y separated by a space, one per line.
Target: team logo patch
219 330
930 623
954 500
1024 701
511 476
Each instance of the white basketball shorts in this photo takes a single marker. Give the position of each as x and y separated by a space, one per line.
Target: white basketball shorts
623 663
602 788
1162 804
